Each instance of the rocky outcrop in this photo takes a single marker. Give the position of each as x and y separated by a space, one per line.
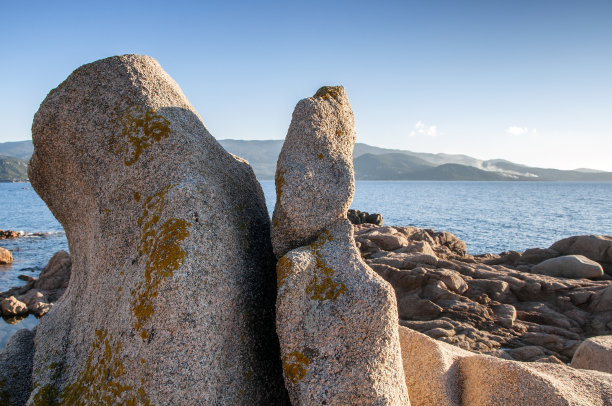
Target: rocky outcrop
336 319
569 266
361 217
171 296
444 375
5 257
16 368
470 302
594 353
39 294
317 161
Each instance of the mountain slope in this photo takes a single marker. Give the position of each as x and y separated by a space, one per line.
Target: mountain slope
19 149
12 168
379 163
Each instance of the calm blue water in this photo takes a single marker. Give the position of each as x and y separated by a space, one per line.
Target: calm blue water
488 216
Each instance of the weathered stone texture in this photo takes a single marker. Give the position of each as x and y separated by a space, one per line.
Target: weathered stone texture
314 173
171 297
337 324
16 368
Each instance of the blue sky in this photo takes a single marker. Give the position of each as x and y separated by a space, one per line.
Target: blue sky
526 81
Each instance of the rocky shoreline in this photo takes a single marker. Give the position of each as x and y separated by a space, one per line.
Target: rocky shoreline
171 296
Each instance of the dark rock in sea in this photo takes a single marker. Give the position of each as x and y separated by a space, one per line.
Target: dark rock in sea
16 368
361 217
8 234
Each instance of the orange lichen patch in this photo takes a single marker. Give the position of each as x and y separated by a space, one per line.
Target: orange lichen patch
141 129
320 156
283 270
327 92
99 382
294 366
322 286
160 246
279 181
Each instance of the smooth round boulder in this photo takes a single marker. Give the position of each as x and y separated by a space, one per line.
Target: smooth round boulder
594 353
569 266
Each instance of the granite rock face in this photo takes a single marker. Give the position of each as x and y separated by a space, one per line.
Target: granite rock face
336 319
16 368
314 172
337 324
171 296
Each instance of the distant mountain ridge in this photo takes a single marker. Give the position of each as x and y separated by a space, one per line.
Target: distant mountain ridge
371 163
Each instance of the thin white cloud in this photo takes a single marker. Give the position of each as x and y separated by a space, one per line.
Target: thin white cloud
516 130
422 129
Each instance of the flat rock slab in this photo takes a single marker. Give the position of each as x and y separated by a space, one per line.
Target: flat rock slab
569 266
171 296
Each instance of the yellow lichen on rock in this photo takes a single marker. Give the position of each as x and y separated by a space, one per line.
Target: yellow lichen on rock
160 246
295 365
327 92
321 286
141 129
99 381
283 270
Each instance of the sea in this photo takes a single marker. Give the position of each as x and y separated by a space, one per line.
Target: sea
489 216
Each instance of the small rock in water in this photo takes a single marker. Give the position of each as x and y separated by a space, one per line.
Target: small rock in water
361 217
5 257
8 234
12 307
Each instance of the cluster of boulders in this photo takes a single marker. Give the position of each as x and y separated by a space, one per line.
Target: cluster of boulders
6 257
38 294
173 297
496 304
10 234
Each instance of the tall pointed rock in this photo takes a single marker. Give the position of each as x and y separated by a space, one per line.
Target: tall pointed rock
336 318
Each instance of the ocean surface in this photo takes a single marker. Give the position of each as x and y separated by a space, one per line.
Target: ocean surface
489 216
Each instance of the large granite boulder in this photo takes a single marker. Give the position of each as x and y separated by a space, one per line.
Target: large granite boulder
16 368
337 324
336 319
171 295
314 172
10 306
569 266
444 375
594 353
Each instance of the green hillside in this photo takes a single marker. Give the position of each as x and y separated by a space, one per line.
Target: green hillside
12 168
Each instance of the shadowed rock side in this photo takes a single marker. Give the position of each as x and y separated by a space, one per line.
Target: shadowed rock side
336 319
16 368
314 173
171 298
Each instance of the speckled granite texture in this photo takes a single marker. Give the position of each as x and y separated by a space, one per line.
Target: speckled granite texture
171 299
